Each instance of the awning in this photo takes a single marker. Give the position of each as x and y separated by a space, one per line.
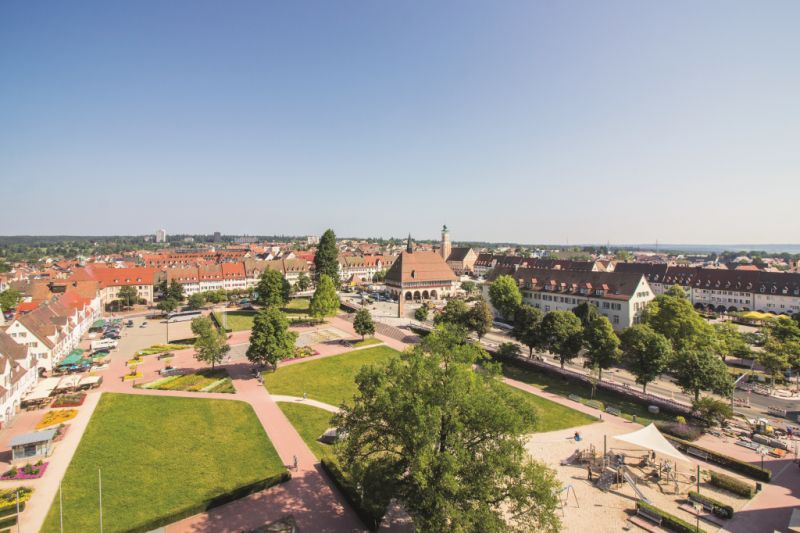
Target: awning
651 439
98 324
90 380
70 360
68 382
42 390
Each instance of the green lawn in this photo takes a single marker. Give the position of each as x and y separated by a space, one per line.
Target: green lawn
237 320
367 342
556 385
205 380
551 416
310 422
159 455
297 304
330 380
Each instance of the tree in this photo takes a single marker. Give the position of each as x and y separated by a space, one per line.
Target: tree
270 340
672 315
380 276
508 350
168 305
602 344
773 358
175 291
421 314
272 289
197 300
211 345
480 318
9 299
446 441
455 311
505 296
363 324
163 287
712 411
527 327
303 281
698 370
128 295
645 353
326 260
562 334
325 301
730 341
469 286
587 312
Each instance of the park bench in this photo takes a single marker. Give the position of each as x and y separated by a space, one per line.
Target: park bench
164 355
575 398
708 506
613 411
654 517
697 453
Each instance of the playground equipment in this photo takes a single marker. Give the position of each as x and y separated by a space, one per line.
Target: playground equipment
563 497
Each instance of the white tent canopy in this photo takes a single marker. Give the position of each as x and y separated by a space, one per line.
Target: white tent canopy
651 438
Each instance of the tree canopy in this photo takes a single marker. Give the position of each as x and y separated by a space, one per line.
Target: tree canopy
272 289
325 301
455 311
562 334
168 305
480 318
9 299
363 324
697 370
602 344
128 295
505 296
175 291
645 353
270 340
447 441
210 345
326 259
672 315
587 312
527 327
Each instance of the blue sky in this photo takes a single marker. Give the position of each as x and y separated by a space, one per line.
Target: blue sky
546 122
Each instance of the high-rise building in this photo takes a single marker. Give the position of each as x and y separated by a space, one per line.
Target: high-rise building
161 235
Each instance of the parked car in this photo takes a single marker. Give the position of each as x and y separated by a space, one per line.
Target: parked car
144 324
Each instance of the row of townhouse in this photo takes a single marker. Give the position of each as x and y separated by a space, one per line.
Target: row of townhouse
723 290
18 375
52 330
486 262
363 268
231 276
620 296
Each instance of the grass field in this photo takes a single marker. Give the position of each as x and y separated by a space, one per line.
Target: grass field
369 341
556 385
159 455
310 422
330 380
205 380
551 416
237 320
297 304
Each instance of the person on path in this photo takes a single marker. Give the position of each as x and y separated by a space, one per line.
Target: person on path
295 462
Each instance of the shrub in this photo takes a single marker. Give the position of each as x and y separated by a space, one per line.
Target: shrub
731 484
11 472
7 510
712 411
720 509
688 432
8 522
370 512
746 469
670 521
680 419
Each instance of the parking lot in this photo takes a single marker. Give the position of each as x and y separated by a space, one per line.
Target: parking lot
138 337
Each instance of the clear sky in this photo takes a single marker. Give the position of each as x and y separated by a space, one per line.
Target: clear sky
546 122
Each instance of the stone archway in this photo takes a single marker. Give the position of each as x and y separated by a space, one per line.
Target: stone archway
417 295
425 295
433 295
408 296
732 309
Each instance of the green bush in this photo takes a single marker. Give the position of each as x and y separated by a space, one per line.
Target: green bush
741 467
11 509
687 432
369 512
720 509
8 522
671 522
199 507
731 484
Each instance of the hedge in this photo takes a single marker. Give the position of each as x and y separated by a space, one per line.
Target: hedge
11 509
746 469
8 522
720 509
670 521
732 484
687 432
205 505
369 512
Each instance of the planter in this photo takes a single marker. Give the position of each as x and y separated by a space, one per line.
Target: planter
22 475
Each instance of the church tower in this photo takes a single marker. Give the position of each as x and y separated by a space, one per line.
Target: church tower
446 247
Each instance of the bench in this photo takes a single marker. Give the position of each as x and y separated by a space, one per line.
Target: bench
706 505
575 398
697 453
613 411
654 517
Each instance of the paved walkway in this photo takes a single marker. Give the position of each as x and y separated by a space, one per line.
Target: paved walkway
307 401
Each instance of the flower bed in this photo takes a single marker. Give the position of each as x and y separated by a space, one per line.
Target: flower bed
70 400
56 417
28 471
129 377
687 432
8 499
161 348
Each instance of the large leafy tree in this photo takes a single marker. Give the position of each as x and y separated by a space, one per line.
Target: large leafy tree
697 370
645 353
168 305
197 300
587 312
9 299
562 334
527 327
480 318
363 324
505 296
455 311
730 342
272 289
303 281
602 344
672 315
326 259
175 291
210 345
128 295
325 301
447 441
270 339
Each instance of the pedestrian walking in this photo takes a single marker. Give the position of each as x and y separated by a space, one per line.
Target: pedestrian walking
305 395
295 462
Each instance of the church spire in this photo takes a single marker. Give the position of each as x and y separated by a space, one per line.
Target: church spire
409 245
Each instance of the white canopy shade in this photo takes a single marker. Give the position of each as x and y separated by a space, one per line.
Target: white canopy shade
42 390
651 438
794 521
